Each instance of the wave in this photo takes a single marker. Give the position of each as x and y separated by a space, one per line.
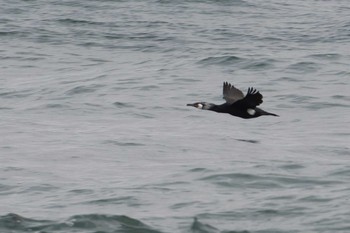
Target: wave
239 62
199 227
264 181
79 223
83 89
221 60
93 223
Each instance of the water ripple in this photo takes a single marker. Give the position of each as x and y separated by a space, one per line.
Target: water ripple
264 181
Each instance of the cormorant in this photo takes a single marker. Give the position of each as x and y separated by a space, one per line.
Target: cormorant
236 103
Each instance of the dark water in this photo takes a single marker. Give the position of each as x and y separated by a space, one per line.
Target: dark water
95 135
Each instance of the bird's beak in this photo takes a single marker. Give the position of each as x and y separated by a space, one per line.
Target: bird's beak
190 105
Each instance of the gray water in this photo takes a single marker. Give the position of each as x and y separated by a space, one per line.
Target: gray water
95 135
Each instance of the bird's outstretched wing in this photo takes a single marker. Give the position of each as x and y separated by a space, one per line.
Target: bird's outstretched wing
252 99
231 94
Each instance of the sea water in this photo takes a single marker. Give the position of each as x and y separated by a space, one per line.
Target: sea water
95 134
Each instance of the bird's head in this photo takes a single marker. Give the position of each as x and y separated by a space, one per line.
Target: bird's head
202 105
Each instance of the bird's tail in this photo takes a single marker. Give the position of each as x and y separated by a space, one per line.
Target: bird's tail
269 114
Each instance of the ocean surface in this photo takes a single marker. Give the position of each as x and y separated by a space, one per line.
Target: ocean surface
96 137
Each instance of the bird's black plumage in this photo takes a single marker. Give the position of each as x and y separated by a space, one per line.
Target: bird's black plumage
236 103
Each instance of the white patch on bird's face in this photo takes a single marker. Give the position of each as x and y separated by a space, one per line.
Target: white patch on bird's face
200 106
250 111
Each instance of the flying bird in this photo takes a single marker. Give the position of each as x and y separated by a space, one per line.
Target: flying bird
236 103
